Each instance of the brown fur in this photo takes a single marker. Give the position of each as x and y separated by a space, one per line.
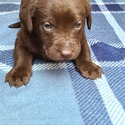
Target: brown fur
52 30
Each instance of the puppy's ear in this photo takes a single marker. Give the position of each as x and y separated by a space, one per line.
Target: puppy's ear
88 13
26 13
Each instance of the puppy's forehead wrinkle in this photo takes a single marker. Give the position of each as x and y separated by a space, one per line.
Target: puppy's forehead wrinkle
66 9
58 7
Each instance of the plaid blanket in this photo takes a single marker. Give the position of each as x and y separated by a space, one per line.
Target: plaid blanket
57 94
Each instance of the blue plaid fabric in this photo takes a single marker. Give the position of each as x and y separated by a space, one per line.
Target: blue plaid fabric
56 93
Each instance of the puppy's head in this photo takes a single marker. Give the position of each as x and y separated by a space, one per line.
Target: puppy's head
58 25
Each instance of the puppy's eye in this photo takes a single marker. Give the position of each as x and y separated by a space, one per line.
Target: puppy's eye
78 25
47 26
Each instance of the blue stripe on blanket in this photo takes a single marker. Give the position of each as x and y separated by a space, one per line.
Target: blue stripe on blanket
109 52
91 105
111 7
116 78
106 35
8 7
114 7
95 8
120 20
9 60
8 34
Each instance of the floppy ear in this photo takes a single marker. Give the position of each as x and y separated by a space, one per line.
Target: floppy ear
26 20
26 15
88 13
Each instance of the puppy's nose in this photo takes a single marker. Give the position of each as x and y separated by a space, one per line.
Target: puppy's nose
66 53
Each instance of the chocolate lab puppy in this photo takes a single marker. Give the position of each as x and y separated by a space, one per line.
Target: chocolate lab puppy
52 30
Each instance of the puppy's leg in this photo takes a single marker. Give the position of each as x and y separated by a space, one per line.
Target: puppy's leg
21 71
84 63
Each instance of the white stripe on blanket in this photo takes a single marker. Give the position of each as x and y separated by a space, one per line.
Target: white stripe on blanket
18 3
9 12
113 106
6 47
107 12
111 63
110 3
93 12
36 67
120 33
49 66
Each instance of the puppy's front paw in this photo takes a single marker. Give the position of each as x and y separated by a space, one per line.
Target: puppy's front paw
90 70
18 76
